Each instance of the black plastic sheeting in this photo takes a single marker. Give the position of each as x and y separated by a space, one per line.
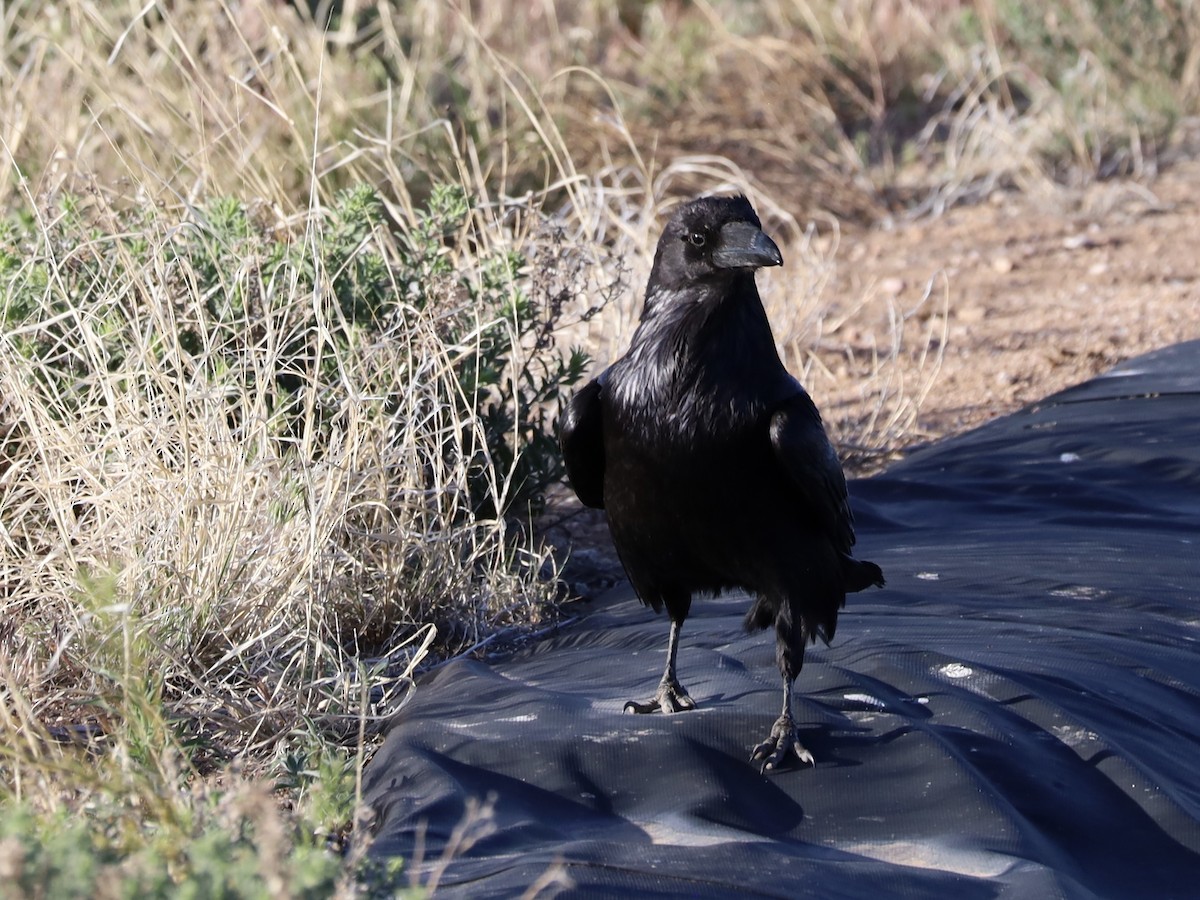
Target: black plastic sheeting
1016 715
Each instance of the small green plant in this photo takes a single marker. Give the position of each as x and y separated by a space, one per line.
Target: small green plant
131 814
217 842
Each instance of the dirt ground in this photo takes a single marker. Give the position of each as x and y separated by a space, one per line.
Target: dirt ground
1038 293
1043 292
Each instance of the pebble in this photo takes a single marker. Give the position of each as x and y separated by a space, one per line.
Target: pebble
1079 242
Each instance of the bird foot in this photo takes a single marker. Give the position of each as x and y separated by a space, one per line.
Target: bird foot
782 741
671 697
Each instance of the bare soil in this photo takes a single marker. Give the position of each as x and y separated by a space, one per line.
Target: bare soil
1037 293
1043 292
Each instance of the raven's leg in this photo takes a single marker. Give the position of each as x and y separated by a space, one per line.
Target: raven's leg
789 653
782 740
670 696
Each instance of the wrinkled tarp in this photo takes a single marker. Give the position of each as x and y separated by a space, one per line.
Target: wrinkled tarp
1016 715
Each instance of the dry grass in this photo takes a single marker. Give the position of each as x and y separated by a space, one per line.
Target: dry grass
179 585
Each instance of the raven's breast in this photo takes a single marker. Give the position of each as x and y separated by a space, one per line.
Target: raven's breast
704 515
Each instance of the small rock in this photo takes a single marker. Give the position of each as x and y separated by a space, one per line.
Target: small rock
1002 265
1079 242
892 286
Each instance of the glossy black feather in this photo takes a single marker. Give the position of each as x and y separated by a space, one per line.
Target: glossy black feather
812 467
582 440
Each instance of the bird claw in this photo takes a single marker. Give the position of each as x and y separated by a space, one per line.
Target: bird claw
782 741
671 697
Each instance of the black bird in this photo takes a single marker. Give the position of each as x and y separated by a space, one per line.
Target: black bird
711 460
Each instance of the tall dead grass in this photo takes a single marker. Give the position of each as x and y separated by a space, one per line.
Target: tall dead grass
179 585
268 580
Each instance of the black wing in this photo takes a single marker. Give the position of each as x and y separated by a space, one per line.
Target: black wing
581 435
812 466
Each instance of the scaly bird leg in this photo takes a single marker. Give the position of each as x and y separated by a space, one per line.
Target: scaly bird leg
782 740
671 695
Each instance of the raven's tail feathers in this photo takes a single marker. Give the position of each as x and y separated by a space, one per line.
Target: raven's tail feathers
860 574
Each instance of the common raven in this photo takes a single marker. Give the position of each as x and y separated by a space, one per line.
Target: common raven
711 461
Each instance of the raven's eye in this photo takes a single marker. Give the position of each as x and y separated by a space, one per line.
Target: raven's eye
696 239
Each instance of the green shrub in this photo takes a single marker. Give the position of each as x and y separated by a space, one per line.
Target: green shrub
227 843
315 299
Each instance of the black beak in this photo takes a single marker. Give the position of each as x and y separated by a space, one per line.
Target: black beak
742 246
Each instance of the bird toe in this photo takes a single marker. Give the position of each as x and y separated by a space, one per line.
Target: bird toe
651 705
670 698
782 742
676 699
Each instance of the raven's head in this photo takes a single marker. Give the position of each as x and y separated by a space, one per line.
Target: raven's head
712 238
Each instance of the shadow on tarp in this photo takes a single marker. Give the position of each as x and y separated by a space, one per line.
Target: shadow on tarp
1016 715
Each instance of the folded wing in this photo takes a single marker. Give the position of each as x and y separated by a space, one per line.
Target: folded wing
813 468
581 434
